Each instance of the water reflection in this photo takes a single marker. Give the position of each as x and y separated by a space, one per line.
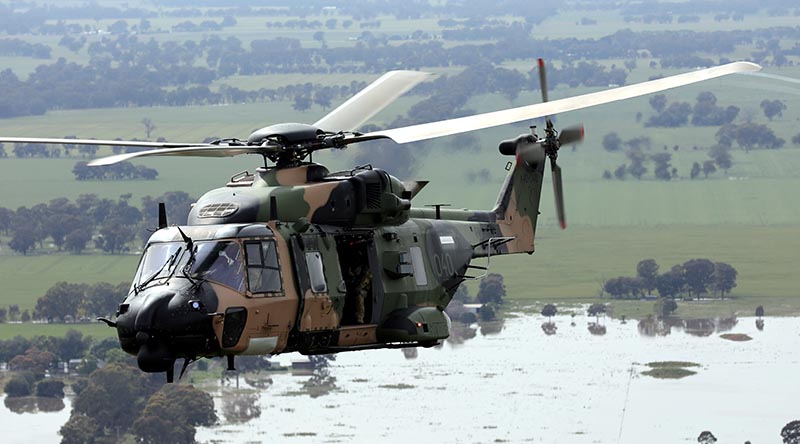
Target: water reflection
238 408
492 327
654 327
557 380
549 328
760 324
50 404
410 353
33 404
21 405
597 329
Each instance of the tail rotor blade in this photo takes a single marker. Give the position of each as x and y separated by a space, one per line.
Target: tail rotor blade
543 80
543 87
572 134
558 190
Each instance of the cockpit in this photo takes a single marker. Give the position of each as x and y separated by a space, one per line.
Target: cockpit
213 261
244 265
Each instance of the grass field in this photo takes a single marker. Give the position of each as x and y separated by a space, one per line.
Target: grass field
26 278
749 217
28 330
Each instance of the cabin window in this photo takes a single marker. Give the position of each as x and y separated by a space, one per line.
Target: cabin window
316 272
418 264
263 270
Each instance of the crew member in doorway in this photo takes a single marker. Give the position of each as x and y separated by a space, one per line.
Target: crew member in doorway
362 279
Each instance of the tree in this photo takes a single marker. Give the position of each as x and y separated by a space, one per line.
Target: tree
34 361
658 102
796 139
72 345
671 283
676 114
612 142
149 126
647 270
760 311
18 386
791 433
772 108
172 415
492 289
102 299
724 278
113 398
668 307
23 240
698 274
696 169
663 168
77 239
60 300
706 437
621 171
721 155
79 429
549 310
708 168
596 310
50 388
302 103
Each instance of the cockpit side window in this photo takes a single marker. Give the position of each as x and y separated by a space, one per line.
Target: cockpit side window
263 270
219 262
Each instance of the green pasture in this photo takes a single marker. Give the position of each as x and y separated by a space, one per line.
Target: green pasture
565 24
26 278
29 330
569 267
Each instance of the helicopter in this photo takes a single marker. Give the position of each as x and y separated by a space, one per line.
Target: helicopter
295 258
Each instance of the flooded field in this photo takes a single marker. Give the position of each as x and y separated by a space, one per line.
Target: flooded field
524 384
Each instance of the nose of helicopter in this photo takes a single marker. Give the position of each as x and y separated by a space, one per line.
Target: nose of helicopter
162 324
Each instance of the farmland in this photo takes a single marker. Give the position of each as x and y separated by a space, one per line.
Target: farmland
747 216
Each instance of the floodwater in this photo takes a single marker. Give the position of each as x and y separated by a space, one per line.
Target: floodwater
522 385
519 385
32 420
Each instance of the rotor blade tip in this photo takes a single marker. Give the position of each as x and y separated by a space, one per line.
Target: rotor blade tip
563 225
541 63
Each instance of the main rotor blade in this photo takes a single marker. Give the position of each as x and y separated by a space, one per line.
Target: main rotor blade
558 191
443 128
195 151
370 101
51 141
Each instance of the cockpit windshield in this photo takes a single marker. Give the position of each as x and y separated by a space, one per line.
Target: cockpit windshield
219 262
159 261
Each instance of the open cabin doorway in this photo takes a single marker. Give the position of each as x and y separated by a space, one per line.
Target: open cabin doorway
357 259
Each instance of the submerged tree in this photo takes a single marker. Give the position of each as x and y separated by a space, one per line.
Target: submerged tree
791 433
549 310
706 437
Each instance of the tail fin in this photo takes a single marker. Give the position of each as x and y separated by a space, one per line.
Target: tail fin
517 207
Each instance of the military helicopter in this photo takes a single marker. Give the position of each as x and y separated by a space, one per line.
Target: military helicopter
296 258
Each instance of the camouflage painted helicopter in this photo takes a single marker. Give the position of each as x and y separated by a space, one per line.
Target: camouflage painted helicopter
295 258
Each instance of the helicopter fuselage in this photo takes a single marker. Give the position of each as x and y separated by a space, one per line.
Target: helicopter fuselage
301 260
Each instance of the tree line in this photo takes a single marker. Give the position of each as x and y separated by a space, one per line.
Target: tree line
171 73
107 225
692 279
110 402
